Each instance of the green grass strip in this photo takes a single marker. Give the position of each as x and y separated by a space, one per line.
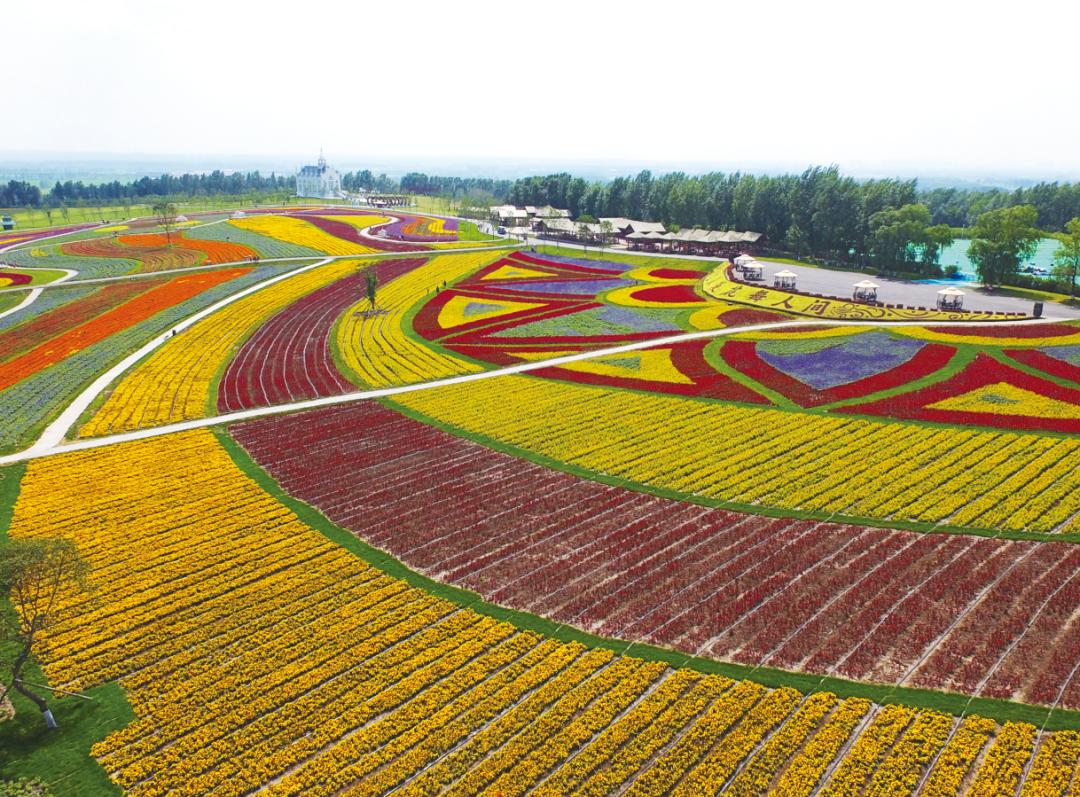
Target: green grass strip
59 758
949 702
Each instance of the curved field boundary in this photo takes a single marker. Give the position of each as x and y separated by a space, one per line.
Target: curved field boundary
35 401
153 252
362 236
745 588
117 318
382 349
175 383
264 245
280 651
302 231
772 458
289 358
87 267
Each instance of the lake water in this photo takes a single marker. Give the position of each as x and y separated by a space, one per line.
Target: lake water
956 255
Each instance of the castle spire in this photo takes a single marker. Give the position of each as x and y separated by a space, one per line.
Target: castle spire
322 160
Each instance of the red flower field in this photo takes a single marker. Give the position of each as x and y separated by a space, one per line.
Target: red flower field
965 613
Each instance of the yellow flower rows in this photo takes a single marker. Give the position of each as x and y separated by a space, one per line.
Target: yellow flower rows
359 222
174 383
810 763
1052 773
1000 772
377 347
259 656
956 759
859 765
302 233
864 468
756 777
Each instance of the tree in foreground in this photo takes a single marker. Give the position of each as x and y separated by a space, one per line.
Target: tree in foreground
1067 256
1001 240
371 284
166 216
36 573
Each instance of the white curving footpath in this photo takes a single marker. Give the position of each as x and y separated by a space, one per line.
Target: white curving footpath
52 441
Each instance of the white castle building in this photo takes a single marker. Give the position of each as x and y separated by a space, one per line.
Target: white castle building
319 181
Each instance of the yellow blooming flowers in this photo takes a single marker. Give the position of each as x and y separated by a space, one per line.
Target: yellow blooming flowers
300 232
379 349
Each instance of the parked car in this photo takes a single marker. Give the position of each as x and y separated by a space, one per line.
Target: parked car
7 222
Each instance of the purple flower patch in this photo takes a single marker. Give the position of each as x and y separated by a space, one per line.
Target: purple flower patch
1067 354
570 287
604 265
839 362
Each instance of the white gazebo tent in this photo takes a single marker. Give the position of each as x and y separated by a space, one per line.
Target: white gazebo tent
753 270
950 298
785 279
742 260
238 214
865 291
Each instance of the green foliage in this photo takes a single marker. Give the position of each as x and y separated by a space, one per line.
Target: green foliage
1001 239
371 284
1067 256
24 787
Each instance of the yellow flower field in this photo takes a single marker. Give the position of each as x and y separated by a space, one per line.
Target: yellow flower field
259 656
861 468
378 349
302 233
174 383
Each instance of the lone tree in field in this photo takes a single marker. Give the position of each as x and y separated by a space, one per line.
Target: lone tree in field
371 284
1067 256
166 216
1001 240
35 572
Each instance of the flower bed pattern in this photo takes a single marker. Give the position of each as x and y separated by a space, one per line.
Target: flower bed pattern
258 655
289 357
843 368
823 597
303 231
175 383
32 402
987 393
825 463
10 279
47 326
153 253
113 320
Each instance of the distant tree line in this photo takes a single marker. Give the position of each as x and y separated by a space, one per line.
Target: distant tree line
365 180
23 194
455 187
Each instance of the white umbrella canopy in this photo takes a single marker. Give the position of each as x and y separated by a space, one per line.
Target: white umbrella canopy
786 273
866 284
951 291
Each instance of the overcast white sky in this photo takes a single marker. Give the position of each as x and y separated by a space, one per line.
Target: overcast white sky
955 86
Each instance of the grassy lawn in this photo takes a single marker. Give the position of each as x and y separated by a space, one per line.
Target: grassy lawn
9 299
60 758
33 218
467 231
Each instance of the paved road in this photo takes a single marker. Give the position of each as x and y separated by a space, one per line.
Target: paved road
839 283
